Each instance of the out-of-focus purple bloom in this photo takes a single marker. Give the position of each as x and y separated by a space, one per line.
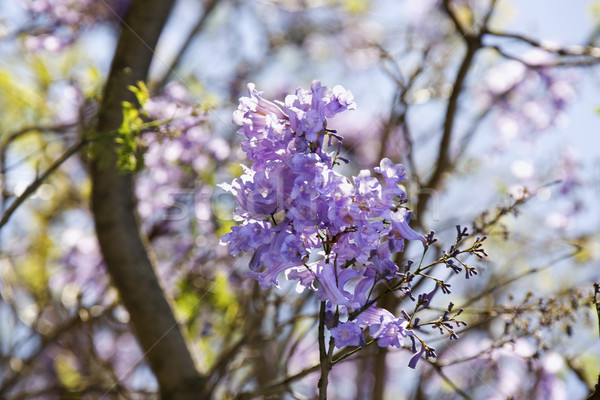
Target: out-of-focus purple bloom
393 174
528 100
60 22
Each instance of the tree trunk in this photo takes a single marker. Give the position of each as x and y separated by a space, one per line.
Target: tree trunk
113 206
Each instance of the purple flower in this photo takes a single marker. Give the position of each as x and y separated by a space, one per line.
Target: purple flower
347 334
415 358
391 333
400 229
292 248
247 237
256 193
425 299
304 275
384 326
341 100
331 287
393 174
303 206
381 260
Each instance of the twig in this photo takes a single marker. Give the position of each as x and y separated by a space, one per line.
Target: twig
582 62
458 390
597 302
324 362
208 7
36 184
562 51
514 278
279 386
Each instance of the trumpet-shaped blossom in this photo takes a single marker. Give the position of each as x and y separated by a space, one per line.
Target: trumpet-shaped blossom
292 203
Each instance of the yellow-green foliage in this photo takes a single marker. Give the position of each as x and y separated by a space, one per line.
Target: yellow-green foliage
66 370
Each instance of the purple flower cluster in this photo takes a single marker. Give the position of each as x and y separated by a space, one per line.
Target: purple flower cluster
333 235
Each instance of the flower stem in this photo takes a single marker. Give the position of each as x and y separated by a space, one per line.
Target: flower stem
324 356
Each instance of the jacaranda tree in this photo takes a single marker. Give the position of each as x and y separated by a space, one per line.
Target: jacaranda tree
290 199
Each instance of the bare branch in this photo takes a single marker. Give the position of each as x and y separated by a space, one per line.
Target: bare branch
516 277
443 159
453 17
38 181
570 61
454 386
209 5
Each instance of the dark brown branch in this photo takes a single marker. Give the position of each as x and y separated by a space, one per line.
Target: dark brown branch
453 17
113 206
324 361
278 386
397 117
220 367
443 158
488 15
473 43
595 395
580 60
561 51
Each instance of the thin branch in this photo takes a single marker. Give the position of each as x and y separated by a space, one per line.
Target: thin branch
221 364
208 8
455 387
66 326
39 180
324 362
470 134
516 277
454 18
583 60
397 118
443 159
284 384
278 386
561 51
597 302
11 137
490 12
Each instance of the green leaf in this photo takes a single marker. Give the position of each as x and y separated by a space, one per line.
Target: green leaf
141 92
